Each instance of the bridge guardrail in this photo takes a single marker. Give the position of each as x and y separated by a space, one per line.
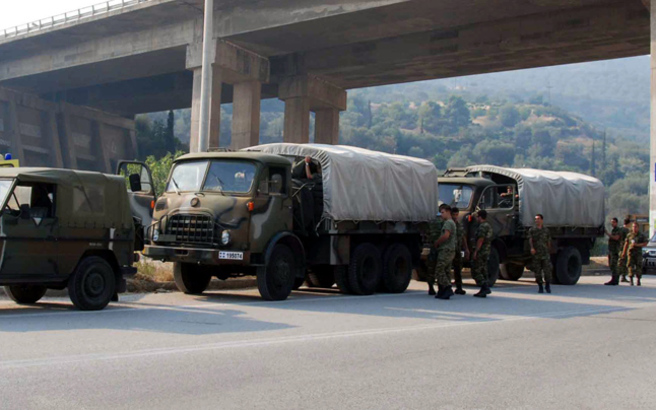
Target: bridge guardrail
68 17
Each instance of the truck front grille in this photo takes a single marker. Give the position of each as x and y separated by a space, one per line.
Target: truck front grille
191 228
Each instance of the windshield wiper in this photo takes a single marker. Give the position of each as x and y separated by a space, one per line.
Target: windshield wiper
175 185
220 185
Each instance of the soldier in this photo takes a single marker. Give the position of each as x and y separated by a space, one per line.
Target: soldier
461 244
482 254
621 268
614 237
446 247
434 232
540 241
633 245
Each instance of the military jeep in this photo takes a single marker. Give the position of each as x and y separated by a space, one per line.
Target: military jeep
62 228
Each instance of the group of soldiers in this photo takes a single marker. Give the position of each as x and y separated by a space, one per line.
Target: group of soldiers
450 249
625 252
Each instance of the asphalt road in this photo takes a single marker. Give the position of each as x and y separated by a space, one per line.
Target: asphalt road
586 346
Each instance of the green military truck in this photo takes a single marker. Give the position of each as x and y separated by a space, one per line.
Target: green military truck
572 205
358 221
62 228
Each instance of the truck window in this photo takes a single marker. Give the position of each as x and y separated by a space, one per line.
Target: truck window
455 195
187 176
230 176
498 197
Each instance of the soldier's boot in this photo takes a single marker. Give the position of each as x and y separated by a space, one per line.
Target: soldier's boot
631 280
540 288
431 289
624 279
460 290
485 290
449 291
442 293
547 287
639 283
614 281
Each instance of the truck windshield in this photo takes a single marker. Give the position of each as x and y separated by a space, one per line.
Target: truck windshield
222 176
455 195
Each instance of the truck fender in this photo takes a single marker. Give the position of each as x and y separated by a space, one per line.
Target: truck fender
291 240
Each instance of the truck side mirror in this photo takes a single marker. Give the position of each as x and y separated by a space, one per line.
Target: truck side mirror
135 182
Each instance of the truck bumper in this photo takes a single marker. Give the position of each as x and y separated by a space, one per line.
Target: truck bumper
197 255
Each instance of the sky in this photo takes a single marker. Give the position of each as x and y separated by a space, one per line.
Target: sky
13 13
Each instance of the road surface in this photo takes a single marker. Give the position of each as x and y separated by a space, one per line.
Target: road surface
586 346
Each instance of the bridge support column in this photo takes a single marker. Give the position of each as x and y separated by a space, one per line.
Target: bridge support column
305 93
652 162
246 114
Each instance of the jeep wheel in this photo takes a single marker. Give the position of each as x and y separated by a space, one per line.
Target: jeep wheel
93 284
397 268
276 280
25 294
493 267
364 271
190 278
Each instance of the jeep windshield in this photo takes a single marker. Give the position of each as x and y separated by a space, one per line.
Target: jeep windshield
455 195
212 176
5 187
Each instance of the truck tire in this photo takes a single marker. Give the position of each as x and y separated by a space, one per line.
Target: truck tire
493 267
397 268
568 266
341 278
190 279
365 269
512 271
25 294
93 284
276 280
321 277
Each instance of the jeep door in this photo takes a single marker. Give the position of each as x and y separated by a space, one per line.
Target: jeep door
30 232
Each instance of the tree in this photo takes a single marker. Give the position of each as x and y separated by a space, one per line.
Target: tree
456 115
509 115
430 117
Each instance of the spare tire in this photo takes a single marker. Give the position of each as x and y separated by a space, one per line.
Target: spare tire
569 265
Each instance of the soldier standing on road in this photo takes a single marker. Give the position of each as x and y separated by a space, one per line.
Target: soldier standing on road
446 248
434 233
633 245
622 269
540 241
614 237
482 254
461 244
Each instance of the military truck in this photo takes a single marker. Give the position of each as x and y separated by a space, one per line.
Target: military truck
572 205
358 221
61 228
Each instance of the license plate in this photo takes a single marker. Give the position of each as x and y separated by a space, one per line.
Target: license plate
234 256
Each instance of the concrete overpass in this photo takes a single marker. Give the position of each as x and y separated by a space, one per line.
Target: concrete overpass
133 56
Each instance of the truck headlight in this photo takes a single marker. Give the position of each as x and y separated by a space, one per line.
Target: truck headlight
155 235
225 237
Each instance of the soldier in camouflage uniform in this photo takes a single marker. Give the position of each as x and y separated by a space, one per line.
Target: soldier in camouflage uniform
461 245
434 232
482 254
446 247
622 269
633 245
614 237
540 241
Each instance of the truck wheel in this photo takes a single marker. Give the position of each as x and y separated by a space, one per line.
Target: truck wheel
341 278
568 266
493 267
364 271
276 280
512 271
93 284
190 279
321 277
25 294
397 268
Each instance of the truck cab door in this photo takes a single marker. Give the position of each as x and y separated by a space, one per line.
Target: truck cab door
500 202
141 189
272 205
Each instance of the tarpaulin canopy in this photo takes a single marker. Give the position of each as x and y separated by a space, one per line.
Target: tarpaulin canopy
564 198
364 185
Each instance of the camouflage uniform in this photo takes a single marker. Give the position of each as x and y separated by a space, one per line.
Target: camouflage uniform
458 258
445 254
614 251
635 253
541 263
622 261
434 229
479 268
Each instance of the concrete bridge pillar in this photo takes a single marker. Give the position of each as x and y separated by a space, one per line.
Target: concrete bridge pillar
245 71
651 5
305 93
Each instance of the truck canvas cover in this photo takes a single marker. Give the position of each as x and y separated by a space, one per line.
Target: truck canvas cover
363 185
564 198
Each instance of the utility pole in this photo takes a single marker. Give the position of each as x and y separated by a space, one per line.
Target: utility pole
206 78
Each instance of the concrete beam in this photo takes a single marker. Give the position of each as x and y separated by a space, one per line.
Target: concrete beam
246 115
321 93
237 64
